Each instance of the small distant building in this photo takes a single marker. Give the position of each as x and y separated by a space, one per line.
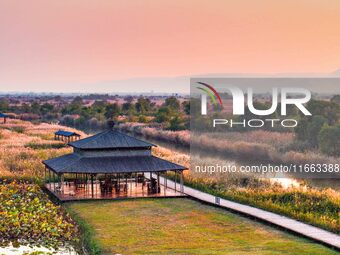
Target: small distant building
110 165
4 117
66 136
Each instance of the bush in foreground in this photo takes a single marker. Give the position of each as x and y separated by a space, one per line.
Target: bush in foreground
28 217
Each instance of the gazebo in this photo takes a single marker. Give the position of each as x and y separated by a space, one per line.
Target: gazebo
66 136
110 165
4 116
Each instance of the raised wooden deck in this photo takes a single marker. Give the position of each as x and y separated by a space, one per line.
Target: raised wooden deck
73 193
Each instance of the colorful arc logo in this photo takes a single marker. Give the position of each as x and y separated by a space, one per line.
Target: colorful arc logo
212 93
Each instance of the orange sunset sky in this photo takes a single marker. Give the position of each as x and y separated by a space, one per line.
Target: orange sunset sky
82 45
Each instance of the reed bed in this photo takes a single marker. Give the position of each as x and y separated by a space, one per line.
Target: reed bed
21 153
254 145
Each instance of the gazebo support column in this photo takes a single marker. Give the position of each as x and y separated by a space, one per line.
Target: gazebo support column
175 180
86 181
49 177
45 175
59 182
53 181
118 181
126 183
158 184
181 176
92 190
62 183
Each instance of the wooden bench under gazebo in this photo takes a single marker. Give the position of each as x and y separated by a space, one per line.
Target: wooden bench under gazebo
66 136
110 165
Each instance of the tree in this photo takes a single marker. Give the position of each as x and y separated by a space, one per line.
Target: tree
142 119
77 101
329 110
336 99
329 141
186 107
172 103
4 105
97 109
46 108
163 115
25 108
99 105
143 105
35 108
128 108
301 130
75 107
309 129
314 127
128 99
112 111
176 123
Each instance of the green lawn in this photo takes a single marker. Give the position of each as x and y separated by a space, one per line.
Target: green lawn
183 226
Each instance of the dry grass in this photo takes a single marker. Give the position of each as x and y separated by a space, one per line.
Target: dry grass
252 145
257 136
177 137
21 152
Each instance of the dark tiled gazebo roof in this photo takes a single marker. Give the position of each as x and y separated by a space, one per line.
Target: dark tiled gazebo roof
66 133
110 139
110 152
73 163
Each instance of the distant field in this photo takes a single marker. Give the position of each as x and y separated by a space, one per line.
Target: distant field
186 227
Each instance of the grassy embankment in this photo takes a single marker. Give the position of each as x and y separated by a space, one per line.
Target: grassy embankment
319 207
182 226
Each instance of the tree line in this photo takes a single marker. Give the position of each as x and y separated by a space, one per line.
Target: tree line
171 114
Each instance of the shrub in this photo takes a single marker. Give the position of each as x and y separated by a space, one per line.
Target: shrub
329 141
298 145
28 216
39 146
18 129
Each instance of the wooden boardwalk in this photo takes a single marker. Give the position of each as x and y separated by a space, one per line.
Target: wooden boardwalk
317 234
